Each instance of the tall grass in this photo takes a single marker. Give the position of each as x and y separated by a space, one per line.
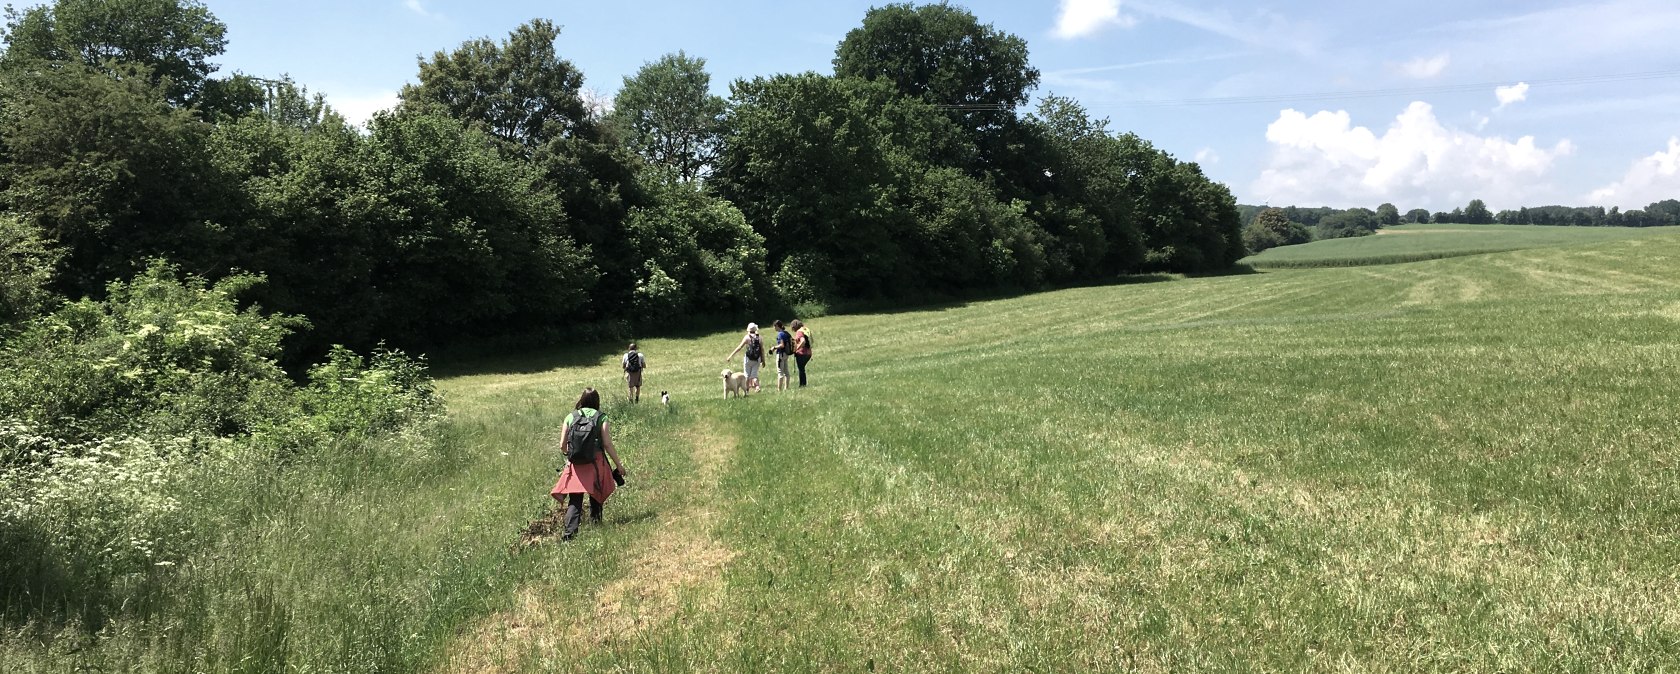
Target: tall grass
1461 464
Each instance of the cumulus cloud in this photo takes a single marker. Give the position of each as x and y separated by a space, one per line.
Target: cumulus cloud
1425 67
1511 94
1079 18
1652 178
1207 156
1324 159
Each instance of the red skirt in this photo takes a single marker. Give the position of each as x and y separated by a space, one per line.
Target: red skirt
594 479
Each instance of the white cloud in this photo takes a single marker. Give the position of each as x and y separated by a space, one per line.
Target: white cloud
1324 159
1652 178
359 108
1206 156
1079 18
1511 94
1425 67
417 8
1256 27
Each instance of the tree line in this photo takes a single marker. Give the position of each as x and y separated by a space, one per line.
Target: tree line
1266 227
495 201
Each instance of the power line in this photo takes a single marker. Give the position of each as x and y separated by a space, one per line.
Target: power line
1379 93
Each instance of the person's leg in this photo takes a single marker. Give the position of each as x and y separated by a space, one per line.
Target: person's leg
594 510
574 516
802 361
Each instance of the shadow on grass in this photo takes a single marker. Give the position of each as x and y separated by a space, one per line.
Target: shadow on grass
937 303
1233 270
536 355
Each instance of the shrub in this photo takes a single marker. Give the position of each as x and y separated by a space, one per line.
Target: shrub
26 264
158 358
112 407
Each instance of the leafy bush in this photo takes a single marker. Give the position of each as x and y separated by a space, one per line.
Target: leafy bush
111 404
159 357
26 265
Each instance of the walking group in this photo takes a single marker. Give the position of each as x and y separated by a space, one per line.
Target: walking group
795 346
593 469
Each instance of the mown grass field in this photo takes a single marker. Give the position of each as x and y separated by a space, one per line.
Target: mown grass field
1414 243
1466 464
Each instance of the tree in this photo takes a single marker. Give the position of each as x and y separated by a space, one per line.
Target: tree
669 115
1388 215
173 39
1477 213
521 94
699 256
1270 229
110 171
807 165
1418 215
1351 222
945 56
519 91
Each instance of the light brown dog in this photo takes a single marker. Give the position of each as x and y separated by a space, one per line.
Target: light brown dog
734 383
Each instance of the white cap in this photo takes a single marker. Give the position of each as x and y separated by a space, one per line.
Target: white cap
752 327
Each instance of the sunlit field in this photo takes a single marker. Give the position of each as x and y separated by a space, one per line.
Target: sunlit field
1464 464
1413 243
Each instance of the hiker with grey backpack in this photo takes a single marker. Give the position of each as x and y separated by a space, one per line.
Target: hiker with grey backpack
587 445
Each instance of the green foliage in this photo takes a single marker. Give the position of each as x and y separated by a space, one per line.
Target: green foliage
1349 223
967 238
811 171
943 55
1476 213
158 358
701 256
350 399
1388 215
522 94
1271 229
112 411
669 115
1418 216
518 91
142 186
173 40
26 270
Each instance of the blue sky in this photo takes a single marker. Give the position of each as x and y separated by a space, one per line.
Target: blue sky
1427 103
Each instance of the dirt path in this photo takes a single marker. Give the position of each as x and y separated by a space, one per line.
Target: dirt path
681 561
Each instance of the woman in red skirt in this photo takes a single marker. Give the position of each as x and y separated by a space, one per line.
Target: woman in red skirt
594 478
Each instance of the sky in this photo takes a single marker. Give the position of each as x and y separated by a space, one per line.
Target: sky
1423 104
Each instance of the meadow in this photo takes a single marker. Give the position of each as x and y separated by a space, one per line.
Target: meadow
1414 243
1464 464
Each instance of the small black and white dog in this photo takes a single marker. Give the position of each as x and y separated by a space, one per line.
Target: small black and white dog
664 398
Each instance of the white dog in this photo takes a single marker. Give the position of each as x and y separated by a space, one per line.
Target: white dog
734 383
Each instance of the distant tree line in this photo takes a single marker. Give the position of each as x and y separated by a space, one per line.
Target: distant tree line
494 200
1266 227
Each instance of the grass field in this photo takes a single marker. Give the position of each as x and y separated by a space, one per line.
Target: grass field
1466 464
1414 243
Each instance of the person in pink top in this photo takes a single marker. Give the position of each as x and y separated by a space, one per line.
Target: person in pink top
595 478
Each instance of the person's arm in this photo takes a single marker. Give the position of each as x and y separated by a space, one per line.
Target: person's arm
731 355
606 441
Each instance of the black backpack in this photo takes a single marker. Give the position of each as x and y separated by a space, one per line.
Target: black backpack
632 362
583 439
755 348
